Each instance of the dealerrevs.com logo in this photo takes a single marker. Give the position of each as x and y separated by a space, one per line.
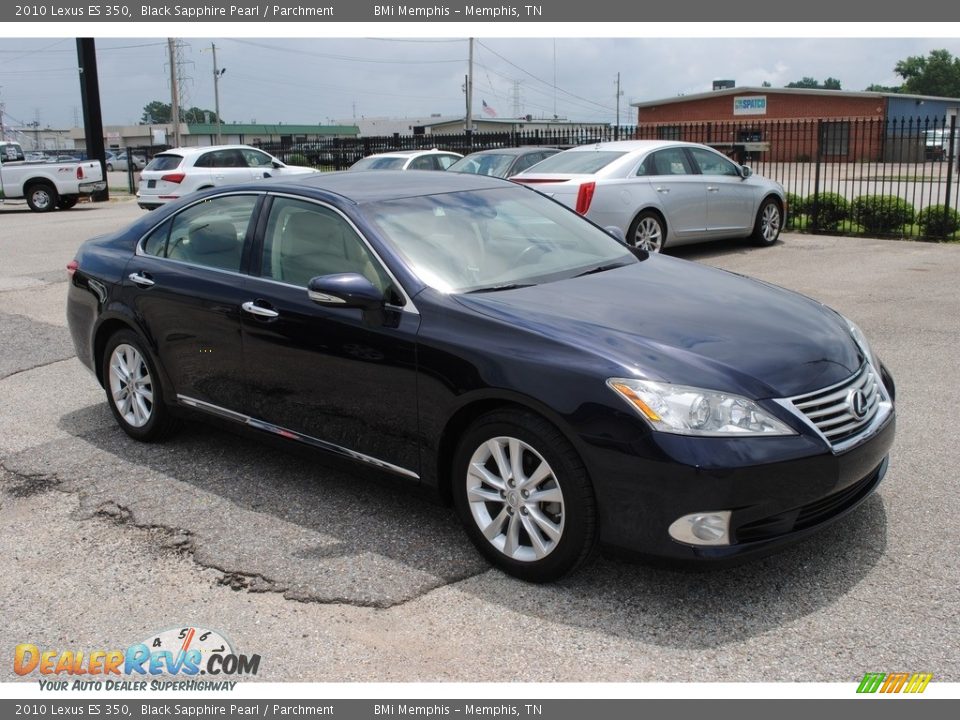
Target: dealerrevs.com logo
911 683
186 652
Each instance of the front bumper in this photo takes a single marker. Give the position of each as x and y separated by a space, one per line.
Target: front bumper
778 490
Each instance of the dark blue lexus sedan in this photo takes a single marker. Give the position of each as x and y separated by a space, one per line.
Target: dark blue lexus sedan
560 388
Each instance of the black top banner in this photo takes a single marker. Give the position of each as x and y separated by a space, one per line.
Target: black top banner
327 11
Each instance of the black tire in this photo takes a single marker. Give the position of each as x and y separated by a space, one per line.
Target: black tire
648 232
109 167
67 201
769 223
42 197
563 519
142 419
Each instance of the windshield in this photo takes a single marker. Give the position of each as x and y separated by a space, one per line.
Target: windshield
379 163
493 239
580 162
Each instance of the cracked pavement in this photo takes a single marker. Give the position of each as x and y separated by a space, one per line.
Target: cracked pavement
334 573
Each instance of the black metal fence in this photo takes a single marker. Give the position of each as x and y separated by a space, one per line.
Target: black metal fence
871 176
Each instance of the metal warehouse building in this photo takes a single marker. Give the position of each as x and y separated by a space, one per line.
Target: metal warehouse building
795 125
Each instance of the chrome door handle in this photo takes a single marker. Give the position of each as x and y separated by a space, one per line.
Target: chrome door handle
663 190
141 280
255 309
712 188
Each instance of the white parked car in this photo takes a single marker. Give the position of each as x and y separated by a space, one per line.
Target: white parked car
177 172
660 192
118 161
432 159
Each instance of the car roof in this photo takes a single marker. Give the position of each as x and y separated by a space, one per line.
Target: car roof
513 150
631 145
188 151
412 153
378 185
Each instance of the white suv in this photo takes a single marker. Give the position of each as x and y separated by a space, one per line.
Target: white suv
174 173
408 160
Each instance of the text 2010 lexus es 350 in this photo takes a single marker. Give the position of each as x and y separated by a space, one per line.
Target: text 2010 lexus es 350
470 334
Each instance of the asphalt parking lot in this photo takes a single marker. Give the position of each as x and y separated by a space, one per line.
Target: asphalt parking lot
331 575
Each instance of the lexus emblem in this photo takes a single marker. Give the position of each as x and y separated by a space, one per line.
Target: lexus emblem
857 402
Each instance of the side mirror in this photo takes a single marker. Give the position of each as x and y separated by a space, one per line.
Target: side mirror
345 290
745 171
277 165
616 233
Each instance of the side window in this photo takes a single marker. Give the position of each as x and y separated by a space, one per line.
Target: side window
424 162
221 159
446 161
304 240
210 234
525 161
713 164
255 158
672 161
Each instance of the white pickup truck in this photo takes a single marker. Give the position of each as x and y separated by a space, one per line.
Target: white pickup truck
46 186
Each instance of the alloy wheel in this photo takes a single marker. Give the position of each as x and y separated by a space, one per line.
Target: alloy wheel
131 386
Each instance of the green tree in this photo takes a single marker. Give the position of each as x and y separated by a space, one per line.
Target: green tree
158 112
155 112
884 88
936 74
813 84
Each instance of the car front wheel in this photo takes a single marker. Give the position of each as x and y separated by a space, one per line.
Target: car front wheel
133 389
767 227
524 496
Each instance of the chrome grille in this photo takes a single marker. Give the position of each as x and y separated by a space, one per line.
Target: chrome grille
831 410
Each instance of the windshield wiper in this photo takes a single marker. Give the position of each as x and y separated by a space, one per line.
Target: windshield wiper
602 268
495 288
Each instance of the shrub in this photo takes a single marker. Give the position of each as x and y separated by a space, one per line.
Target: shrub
795 204
297 159
938 221
882 213
832 209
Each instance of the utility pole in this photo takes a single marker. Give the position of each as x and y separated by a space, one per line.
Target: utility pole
616 130
216 90
468 120
174 92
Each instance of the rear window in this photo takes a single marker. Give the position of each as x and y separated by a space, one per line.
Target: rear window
165 162
379 163
581 162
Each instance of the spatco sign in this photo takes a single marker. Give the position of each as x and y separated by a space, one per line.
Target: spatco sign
754 105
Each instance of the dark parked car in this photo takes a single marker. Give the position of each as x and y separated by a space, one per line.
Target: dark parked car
503 162
472 335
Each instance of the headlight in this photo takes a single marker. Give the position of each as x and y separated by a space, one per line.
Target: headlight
861 340
693 411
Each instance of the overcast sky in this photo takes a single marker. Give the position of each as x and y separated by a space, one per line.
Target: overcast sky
319 80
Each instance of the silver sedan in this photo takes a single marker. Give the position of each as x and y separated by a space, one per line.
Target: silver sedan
661 193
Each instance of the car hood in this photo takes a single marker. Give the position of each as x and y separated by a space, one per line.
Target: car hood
676 321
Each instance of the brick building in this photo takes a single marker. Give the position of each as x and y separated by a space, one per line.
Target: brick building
794 124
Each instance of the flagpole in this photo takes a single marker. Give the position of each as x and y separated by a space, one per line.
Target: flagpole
468 121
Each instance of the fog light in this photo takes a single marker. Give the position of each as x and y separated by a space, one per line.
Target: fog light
702 528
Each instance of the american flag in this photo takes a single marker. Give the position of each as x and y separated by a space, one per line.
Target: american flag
488 110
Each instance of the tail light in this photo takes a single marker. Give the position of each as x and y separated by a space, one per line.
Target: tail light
79 172
585 196
72 267
174 177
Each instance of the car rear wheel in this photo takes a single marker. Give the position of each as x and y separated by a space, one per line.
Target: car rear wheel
767 227
42 197
524 496
133 389
647 232
67 201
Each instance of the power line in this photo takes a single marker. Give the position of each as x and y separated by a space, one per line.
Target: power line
347 58
541 80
